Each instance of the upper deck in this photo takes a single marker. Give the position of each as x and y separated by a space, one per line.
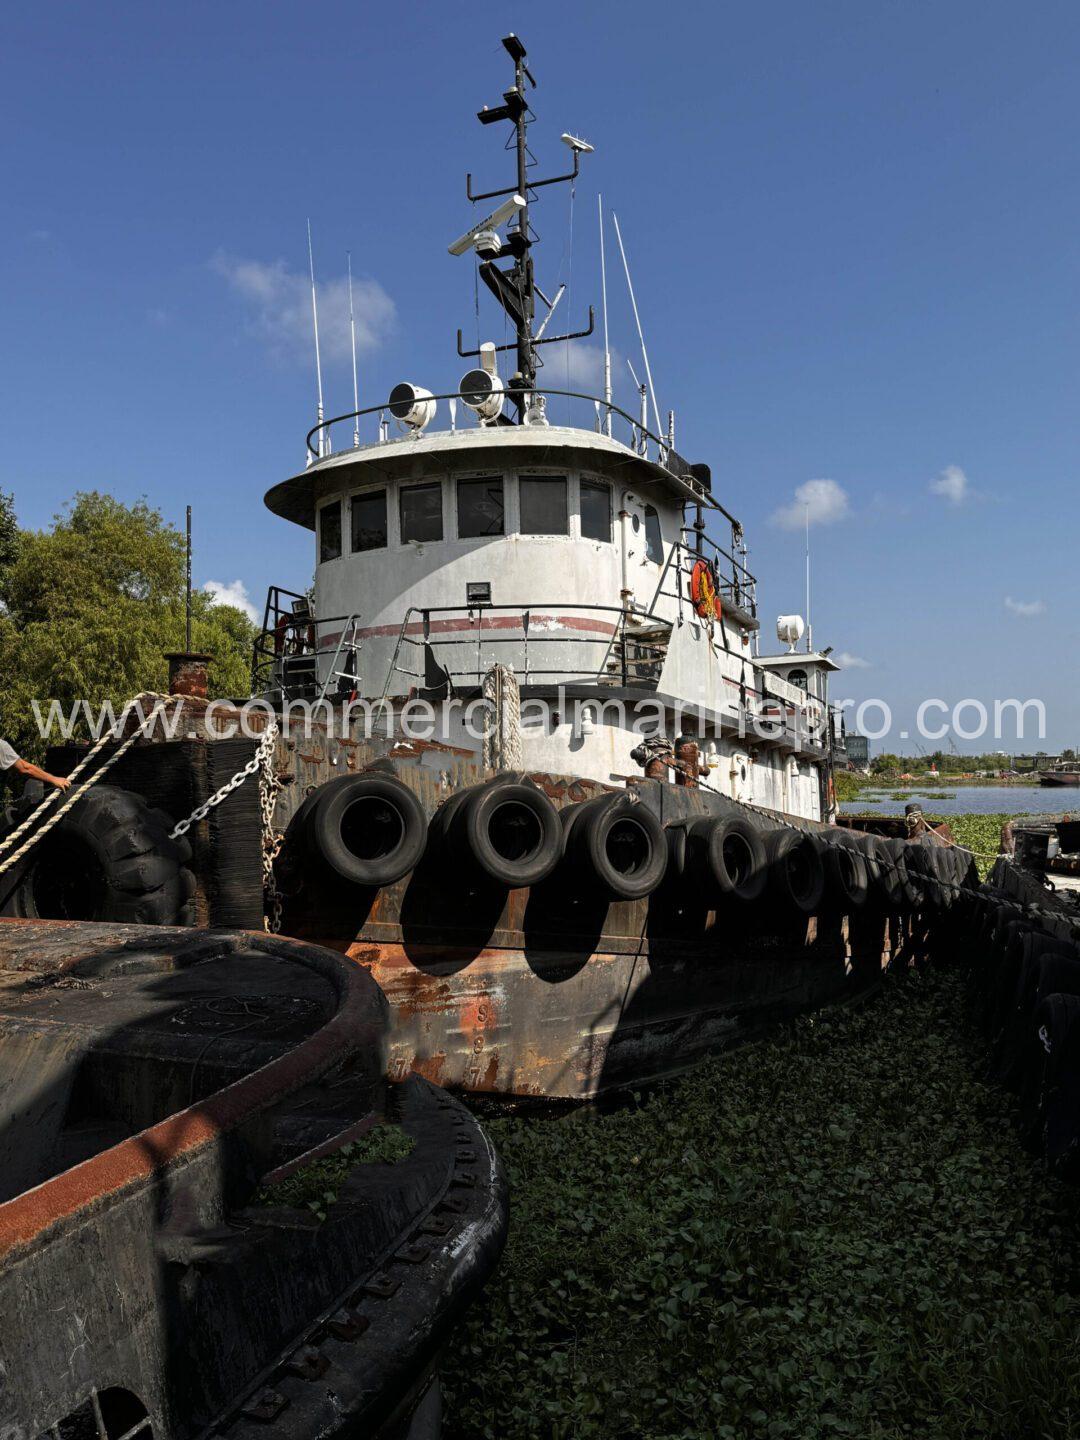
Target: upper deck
645 457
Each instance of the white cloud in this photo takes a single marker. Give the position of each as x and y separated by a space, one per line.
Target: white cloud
234 593
822 502
1024 609
851 662
586 367
278 302
952 485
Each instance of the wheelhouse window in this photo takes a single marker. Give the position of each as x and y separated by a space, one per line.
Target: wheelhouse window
480 507
595 511
544 509
330 532
369 521
798 678
421 512
654 540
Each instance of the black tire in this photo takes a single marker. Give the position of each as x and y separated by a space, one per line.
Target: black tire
509 830
846 882
904 893
729 857
922 874
110 859
616 844
796 871
369 829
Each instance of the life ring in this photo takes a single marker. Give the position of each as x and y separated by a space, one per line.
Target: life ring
704 591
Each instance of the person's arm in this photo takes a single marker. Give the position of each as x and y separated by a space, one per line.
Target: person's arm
35 772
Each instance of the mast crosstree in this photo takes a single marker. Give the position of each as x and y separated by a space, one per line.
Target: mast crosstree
515 287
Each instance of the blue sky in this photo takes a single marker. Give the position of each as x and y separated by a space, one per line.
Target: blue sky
853 229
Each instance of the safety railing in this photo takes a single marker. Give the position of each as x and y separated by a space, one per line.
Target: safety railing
735 583
454 646
640 438
288 647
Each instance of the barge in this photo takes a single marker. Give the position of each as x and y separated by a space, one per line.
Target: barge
168 1098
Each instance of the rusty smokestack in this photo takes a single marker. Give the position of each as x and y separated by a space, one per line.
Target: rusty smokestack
188 673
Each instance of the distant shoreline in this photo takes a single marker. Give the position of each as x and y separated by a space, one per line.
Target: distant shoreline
872 782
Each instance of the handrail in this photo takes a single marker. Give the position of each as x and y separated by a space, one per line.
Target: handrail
664 449
425 613
741 578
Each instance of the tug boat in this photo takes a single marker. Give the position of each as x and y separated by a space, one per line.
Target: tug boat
1064 773
612 847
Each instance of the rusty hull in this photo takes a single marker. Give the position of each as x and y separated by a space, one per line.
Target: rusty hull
549 993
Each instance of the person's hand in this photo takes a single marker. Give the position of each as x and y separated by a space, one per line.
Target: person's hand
60 781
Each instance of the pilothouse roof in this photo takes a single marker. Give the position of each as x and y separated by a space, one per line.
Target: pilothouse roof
507 447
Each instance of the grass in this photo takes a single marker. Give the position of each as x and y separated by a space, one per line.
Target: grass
834 1233
315 1187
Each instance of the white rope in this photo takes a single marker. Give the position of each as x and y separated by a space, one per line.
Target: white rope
502 730
77 792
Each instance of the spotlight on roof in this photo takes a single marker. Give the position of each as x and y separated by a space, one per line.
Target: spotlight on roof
483 392
412 405
581 146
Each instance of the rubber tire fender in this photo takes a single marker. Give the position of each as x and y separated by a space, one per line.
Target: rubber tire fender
846 881
392 804
592 835
795 869
904 894
472 820
729 855
143 878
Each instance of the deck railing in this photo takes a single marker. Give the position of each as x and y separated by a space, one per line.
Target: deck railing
640 439
459 655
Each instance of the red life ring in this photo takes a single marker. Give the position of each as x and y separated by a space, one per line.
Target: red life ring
704 591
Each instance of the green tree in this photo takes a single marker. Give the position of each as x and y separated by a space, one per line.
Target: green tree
89 608
9 530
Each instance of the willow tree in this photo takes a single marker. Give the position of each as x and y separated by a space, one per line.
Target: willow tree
89 606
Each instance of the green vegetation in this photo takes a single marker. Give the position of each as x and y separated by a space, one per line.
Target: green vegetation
315 1187
88 608
834 1233
980 833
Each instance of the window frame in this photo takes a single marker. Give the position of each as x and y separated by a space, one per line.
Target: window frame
650 512
489 478
324 509
363 495
593 483
544 477
403 491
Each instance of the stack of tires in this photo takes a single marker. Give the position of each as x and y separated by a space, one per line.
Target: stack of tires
1025 998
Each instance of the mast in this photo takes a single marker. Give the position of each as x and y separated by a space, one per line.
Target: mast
515 288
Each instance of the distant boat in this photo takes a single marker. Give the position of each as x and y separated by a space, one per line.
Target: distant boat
1065 772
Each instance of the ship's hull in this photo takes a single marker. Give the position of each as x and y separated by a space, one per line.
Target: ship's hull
563 1026
1068 779
552 989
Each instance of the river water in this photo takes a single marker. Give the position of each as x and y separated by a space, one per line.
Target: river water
940 799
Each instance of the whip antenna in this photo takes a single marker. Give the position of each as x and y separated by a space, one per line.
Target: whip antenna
315 322
637 322
809 627
603 292
352 334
